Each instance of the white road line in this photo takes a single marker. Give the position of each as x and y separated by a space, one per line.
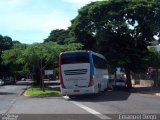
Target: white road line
98 114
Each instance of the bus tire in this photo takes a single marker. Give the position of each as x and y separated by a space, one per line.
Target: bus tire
108 87
99 89
71 96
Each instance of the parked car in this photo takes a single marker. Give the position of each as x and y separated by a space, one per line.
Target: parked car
120 84
1 82
9 81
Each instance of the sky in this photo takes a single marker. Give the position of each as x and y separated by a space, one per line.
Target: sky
30 21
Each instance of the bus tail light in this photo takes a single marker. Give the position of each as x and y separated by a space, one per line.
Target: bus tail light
60 72
91 81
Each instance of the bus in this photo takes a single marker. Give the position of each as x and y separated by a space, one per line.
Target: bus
82 72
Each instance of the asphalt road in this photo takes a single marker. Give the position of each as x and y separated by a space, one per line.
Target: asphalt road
8 96
109 105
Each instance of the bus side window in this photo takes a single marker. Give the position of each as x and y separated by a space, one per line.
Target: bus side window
99 62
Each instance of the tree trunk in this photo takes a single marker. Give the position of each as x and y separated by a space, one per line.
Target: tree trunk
156 77
115 75
128 77
37 77
42 80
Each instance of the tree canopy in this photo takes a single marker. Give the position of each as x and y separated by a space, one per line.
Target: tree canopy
57 35
119 29
14 60
5 44
154 64
33 59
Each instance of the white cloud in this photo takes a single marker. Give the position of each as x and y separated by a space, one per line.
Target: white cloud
55 20
54 24
26 15
21 21
21 17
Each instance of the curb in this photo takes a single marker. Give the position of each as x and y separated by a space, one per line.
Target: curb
23 93
36 96
145 93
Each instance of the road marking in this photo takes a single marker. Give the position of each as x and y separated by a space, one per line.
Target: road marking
92 111
10 106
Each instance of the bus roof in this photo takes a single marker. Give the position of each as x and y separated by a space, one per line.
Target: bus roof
94 53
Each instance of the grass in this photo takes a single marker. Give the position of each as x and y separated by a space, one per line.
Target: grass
37 91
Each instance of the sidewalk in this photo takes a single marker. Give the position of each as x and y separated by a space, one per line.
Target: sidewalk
146 90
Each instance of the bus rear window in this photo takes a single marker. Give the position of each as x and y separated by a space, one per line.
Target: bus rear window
75 57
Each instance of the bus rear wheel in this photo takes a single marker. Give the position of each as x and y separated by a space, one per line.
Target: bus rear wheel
71 96
99 89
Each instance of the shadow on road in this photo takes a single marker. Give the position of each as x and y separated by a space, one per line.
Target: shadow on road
7 93
146 90
105 96
117 95
21 83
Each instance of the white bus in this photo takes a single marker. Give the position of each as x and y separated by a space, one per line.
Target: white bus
82 72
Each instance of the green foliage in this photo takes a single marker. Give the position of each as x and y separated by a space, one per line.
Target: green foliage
121 30
49 92
14 59
154 58
5 44
14 54
58 35
154 62
47 52
24 59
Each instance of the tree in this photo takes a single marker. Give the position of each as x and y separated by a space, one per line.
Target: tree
5 44
40 55
14 61
58 35
154 62
23 59
121 30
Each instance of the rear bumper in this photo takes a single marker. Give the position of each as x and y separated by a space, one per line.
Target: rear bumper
78 91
